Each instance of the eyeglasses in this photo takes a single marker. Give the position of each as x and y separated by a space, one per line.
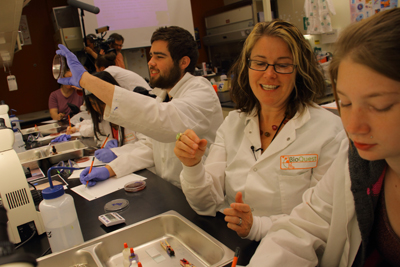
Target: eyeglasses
282 68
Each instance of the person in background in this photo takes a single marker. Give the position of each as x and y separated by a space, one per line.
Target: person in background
351 217
126 79
59 99
91 52
117 45
183 101
275 146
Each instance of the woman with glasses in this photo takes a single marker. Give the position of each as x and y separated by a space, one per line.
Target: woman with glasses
275 146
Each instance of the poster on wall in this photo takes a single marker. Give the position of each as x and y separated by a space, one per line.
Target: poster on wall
23 27
362 9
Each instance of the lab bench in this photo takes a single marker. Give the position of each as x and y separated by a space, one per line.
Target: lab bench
158 197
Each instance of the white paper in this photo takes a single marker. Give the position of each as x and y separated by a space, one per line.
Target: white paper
75 174
89 162
105 187
50 121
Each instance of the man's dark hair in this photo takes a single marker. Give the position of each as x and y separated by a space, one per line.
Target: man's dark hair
117 37
105 60
180 43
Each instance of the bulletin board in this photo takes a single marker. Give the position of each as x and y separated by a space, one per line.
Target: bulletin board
362 9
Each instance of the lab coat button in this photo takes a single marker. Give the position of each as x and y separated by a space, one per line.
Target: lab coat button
250 131
255 169
288 139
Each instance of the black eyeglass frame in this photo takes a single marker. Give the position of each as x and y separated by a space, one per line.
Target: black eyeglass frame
273 65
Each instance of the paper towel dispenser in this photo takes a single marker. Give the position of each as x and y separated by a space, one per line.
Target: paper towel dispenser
231 26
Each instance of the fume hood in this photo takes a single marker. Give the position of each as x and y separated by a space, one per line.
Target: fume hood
231 26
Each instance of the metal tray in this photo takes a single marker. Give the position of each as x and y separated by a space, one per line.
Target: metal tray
43 129
65 150
187 240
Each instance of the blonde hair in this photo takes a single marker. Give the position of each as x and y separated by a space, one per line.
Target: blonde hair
373 42
309 82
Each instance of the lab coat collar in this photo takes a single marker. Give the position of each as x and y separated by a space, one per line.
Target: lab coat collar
286 136
161 93
298 120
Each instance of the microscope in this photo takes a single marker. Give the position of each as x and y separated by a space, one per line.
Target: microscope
16 197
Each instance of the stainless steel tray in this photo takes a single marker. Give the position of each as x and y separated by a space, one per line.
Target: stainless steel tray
65 150
187 240
43 129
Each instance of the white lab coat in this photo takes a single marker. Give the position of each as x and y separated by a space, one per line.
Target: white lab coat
86 129
317 13
194 105
127 79
322 231
267 185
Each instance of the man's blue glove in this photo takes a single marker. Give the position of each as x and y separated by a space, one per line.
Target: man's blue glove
105 155
97 174
61 138
74 65
111 144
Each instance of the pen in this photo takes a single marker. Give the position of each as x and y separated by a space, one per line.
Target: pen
90 170
91 166
105 141
235 259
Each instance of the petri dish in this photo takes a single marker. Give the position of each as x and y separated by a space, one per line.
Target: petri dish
135 186
116 205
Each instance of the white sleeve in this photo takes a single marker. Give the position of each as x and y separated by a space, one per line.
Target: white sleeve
203 185
139 157
86 128
328 154
300 238
331 7
162 121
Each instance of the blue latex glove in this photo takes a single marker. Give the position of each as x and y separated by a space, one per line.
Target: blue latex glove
97 175
61 138
74 65
111 144
105 155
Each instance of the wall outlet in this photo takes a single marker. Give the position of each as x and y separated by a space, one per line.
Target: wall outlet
12 83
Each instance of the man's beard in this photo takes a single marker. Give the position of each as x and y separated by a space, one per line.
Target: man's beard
168 81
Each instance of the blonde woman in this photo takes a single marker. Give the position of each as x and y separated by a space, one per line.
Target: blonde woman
275 146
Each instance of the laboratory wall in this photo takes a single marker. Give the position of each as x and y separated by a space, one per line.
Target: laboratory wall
32 65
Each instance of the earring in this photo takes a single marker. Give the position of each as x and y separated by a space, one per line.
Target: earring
371 137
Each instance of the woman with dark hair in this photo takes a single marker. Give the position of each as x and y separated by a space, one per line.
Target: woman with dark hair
127 79
275 146
351 218
100 128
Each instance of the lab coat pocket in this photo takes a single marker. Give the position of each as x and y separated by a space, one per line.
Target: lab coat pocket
292 188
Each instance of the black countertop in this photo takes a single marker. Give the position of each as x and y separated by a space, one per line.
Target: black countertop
158 197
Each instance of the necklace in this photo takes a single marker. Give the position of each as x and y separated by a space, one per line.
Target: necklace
274 128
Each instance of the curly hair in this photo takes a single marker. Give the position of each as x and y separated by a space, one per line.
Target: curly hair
309 83
180 44
373 42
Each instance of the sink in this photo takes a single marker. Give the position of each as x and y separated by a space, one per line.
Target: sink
187 240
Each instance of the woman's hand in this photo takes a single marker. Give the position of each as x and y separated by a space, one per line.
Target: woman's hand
239 213
189 148
71 130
